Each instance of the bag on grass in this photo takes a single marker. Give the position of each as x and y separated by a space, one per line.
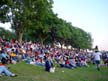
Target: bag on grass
52 69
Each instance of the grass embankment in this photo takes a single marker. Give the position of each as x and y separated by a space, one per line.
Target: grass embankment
28 72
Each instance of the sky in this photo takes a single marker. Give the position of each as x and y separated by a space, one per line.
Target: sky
89 15
7 26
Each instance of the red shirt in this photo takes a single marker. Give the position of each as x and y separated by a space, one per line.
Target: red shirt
67 62
2 64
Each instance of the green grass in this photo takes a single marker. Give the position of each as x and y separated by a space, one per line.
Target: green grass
28 72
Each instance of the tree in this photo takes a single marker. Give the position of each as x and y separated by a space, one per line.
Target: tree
36 20
24 13
6 34
80 38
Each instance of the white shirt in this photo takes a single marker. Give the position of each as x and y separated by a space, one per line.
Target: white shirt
97 56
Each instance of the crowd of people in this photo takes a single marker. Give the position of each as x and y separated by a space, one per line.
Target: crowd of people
46 56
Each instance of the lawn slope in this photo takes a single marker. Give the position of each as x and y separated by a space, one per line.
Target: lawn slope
28 72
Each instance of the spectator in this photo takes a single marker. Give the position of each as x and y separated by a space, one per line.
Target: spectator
4 69
48 64
97 58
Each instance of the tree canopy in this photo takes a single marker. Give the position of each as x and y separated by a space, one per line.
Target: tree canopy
35 20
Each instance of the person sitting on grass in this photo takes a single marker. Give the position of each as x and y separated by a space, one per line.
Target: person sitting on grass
68 64
4 69
48 64
62 62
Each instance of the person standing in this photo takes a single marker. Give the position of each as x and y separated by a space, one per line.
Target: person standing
97 58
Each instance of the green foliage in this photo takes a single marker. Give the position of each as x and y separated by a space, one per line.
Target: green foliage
6 34
25 13
35 20
81 38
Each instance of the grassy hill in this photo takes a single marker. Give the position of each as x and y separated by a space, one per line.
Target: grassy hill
28 72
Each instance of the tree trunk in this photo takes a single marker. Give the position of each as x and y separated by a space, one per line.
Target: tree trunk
71 48
42 39
19 37
67 47
61 44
